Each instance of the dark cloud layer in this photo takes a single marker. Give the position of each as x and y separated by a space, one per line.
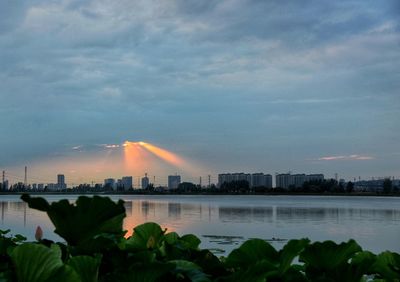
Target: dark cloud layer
249 85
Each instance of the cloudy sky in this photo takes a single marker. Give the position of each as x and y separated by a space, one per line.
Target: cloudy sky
253 86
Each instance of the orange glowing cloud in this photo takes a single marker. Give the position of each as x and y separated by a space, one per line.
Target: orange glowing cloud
135 157
163 154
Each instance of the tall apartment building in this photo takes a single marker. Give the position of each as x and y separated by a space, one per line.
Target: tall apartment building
286 180
145 181
282 180
297 180
61 181
174 181
127 182
261 180
229 177
315 177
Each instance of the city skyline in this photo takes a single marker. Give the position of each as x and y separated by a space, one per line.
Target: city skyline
267 179
94 89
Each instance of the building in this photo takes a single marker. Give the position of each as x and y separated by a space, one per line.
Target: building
40 186
61 181
282 180
261 180
286 180
127 182
110 183
315 177
297 180
229 177
145 181
5 185
174 181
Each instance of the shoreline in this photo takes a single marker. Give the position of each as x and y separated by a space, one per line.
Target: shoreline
360 194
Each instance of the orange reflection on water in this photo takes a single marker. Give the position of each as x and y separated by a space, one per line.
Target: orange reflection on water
139 212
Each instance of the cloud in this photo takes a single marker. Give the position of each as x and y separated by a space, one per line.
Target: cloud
111 146
346 158
187 74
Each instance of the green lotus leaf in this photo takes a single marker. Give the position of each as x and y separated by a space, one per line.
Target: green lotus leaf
190 270
251 252
38 263
79 223
86 267
146 236
387 265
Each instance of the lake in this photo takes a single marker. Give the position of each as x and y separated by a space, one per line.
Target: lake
224 222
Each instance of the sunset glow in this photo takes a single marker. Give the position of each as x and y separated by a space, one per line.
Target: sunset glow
137 154
163 154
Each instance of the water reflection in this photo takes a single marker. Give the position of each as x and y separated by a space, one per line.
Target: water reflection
231 220
246 214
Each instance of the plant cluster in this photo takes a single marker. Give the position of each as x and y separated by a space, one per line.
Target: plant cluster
96 248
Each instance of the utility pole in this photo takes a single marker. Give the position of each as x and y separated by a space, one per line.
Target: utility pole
209 181
200 182
26 177
4 178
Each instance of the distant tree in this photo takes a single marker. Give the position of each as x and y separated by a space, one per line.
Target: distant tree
236 186
150 187
387 185
350 187
187 187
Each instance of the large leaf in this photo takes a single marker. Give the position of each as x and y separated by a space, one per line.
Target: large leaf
190 270
387 265
362 263
144 273
328 254
292 249
191 241
251 252
330 261
257 272
146 236
81 222
86 267
38 263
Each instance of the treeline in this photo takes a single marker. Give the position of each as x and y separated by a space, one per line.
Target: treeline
312 186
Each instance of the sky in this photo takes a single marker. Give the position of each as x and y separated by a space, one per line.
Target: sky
226 86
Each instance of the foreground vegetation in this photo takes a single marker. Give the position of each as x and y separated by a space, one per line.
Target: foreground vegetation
96 249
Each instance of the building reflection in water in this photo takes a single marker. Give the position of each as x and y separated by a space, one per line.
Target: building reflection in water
174 210
245 214
304 214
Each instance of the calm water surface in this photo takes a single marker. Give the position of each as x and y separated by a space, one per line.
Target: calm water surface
224 222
